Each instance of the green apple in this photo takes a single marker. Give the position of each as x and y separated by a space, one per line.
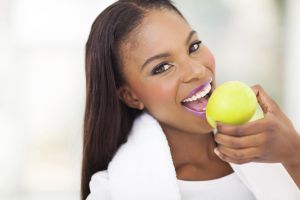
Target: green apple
231 103
259 114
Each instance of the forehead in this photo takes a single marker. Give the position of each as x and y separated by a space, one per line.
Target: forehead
161 31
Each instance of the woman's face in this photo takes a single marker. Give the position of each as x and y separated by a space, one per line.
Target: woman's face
164 64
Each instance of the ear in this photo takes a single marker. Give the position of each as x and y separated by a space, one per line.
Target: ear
128 96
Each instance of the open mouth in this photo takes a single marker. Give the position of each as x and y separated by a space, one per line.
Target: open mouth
197 100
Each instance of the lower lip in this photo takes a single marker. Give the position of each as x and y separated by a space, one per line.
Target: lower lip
201 114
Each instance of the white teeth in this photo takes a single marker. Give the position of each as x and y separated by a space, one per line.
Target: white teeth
199 94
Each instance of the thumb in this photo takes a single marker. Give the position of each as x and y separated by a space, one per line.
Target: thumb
266 103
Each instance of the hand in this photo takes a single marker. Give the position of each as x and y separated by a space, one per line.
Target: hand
270 139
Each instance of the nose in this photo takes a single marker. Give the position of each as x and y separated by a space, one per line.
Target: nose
192 71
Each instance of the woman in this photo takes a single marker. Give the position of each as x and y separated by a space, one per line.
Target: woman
145 134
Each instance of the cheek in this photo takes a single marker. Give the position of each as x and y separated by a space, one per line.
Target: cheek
157 93
209 59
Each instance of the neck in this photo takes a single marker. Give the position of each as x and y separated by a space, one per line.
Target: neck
189 148
193 156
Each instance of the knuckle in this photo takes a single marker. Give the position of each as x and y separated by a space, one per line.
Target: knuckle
238 155
235 144
260 86
273 108
257 86
239 132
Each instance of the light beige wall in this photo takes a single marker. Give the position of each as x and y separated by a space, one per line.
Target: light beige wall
291 73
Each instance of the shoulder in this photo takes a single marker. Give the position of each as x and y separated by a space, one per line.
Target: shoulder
99 186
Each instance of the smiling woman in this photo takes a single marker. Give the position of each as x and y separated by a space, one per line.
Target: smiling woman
177 65
146 136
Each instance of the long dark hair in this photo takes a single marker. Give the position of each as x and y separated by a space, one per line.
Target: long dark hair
107 119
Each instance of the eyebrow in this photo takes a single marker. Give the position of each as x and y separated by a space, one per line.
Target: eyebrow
190 37
165 55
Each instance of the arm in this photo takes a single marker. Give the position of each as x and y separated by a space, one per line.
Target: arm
293 167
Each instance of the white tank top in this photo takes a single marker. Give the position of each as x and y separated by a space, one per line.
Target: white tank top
228 187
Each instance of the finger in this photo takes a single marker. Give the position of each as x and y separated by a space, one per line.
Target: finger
267 104
249 128
239 154
230 160
239 142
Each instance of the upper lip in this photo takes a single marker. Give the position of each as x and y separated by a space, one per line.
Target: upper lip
197 89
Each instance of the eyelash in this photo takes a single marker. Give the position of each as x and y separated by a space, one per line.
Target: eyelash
158 68
161 67
198 43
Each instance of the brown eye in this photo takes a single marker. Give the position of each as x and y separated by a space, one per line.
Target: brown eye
161 68
195 46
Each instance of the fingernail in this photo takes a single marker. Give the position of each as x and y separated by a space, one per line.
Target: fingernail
215 131
217 151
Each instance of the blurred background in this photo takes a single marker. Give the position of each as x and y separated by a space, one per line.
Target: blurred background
42 78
